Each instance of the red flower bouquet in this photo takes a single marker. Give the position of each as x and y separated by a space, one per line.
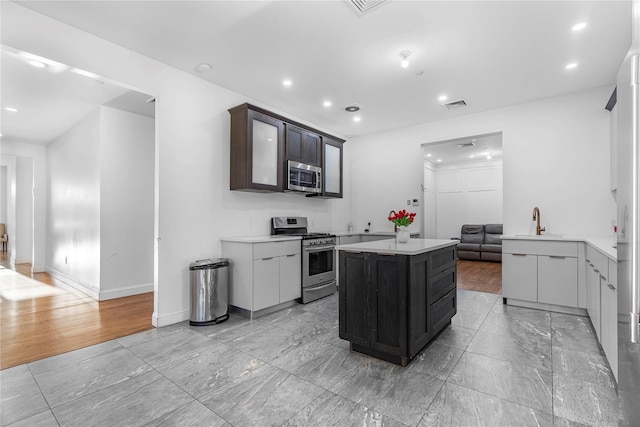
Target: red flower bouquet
402 218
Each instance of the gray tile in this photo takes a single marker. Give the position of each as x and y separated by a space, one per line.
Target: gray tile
134 402
523 384
368 382
43 419
332 410
468 319
193 414
327 306
20 396
320 363
282 316
267 396
270 342
583 366
213 331
239 332
410 397
71 382
172 349
533 351
208 368
584 402
477 301
435 360
333 336
456 337
153 334
563 422
523 325
311 324
573 333
460 406
73 357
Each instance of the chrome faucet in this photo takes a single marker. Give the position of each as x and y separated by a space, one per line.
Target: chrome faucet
536 217
395 227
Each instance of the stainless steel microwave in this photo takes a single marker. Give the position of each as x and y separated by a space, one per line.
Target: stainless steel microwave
304 178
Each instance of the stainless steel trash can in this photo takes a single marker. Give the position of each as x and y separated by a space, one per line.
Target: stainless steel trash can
209 291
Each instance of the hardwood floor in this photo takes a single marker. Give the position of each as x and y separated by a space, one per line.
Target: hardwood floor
480 276
41 318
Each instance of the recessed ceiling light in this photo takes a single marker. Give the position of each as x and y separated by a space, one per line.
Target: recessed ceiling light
472 156
13 110
287 83
429 155
579 26
489 157
439 160
571 66
352 108
443 98
356 119
203 67
405 58
327 104
36 64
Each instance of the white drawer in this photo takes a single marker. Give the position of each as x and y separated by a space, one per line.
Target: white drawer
543 247
273 249
600 261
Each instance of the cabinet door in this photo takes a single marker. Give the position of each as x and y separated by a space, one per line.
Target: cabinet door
520 277
609 324
389 293
290 277
294 137
266 282
558 280
311 149
593 298
354 298
332 184
266 154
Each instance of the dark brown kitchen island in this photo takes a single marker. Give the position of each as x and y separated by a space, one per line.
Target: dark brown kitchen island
396 297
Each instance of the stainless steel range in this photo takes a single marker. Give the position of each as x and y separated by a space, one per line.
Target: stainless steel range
318 257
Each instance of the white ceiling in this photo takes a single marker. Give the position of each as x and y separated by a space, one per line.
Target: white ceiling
450 152
491 54
50 100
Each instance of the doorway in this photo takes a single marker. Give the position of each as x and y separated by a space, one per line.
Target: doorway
462 184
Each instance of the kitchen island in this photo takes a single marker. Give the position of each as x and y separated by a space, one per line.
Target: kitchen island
394 298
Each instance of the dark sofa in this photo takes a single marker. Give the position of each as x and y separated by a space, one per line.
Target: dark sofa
480 242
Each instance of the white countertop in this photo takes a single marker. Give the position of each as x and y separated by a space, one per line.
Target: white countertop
602 244
259 239
390 246
370 233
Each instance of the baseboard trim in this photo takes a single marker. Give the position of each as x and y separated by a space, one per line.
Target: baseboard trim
547 307
38 269
73 283
125 291
169 319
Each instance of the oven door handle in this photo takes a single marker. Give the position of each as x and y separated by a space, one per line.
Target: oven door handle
318 248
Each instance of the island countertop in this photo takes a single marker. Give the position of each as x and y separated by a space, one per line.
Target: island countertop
391 247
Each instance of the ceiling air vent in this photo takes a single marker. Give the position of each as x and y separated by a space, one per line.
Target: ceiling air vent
363 6
467 145
455 104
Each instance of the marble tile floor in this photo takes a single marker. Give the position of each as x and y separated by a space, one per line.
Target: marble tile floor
495 365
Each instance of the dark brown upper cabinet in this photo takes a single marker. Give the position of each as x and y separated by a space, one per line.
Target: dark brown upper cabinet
303 146
332 161
256 150
262 142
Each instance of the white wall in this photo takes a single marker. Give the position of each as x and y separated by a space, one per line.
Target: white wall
556 157
126 203
73 204
193 205
468 193
3 194
24 210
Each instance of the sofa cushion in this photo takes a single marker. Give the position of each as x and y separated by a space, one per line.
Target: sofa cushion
493 233
472 255
469 247
491 248
491 256
472 233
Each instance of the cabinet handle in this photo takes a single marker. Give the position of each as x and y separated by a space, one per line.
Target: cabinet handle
267 259
613 288
380 253
291 255
519 254
602 277
557 256
595 270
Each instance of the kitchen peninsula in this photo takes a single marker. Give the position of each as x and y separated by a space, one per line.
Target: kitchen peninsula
396 297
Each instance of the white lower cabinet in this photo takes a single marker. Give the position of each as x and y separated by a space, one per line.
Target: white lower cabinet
609 317
263 274
540 271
